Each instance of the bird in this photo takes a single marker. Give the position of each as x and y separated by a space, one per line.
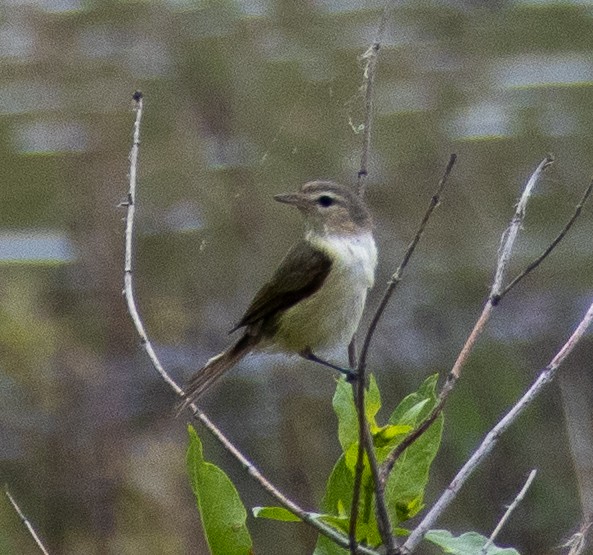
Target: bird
315 299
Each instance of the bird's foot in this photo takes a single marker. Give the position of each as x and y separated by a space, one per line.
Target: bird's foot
350 373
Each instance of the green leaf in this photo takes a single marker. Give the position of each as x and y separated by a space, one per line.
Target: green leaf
416 406
470 543
336 502
338 492
325 546
221 510
385 435
343 403
405 487
275 513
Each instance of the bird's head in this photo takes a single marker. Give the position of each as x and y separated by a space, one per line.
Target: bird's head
330 208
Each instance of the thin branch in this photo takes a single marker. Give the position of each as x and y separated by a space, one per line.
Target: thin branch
128 282
26 522
508 512
578 541
365 443
397 276
365 437
545 377
552 245
504 255
365 440
353 524
391 286
510 235
371 58
130 204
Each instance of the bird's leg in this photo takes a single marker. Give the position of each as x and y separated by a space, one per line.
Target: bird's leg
351 375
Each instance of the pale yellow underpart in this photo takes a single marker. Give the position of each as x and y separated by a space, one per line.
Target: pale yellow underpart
328 318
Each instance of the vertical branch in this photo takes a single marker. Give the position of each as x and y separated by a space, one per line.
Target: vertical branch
379 475
371 58
130 203
510 235
365 440
26 522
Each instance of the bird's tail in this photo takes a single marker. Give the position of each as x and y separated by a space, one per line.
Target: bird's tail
214 369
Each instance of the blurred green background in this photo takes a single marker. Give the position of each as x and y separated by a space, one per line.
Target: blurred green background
245 99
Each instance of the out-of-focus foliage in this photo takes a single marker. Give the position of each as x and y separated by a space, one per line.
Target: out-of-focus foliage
245 99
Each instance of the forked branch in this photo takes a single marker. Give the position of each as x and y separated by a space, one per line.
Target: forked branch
504 255
485 448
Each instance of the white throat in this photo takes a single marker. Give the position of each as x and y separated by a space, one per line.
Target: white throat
356 253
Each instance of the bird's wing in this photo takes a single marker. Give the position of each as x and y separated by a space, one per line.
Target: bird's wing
300 274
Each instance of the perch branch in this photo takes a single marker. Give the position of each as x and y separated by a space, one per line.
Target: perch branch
359 387
545 377
26 522
251 470
365 440
508 512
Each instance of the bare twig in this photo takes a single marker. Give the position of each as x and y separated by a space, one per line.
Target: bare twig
383 520
505 250
371 58
545 377
504 254
510 509
130 203
365 443
398 274
510 235
552 246
365 440
128 282
578 541
26 522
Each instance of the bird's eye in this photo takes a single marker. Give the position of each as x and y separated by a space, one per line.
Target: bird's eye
325 200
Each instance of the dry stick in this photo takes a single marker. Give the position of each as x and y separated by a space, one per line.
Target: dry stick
553 244
382 514
365 440
362 426
130 203
545 377
578 541
504 254
26 522
510 509
371 57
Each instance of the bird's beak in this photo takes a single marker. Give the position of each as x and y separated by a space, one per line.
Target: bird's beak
296 199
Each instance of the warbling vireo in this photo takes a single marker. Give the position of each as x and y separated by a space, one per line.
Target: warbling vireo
315 299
